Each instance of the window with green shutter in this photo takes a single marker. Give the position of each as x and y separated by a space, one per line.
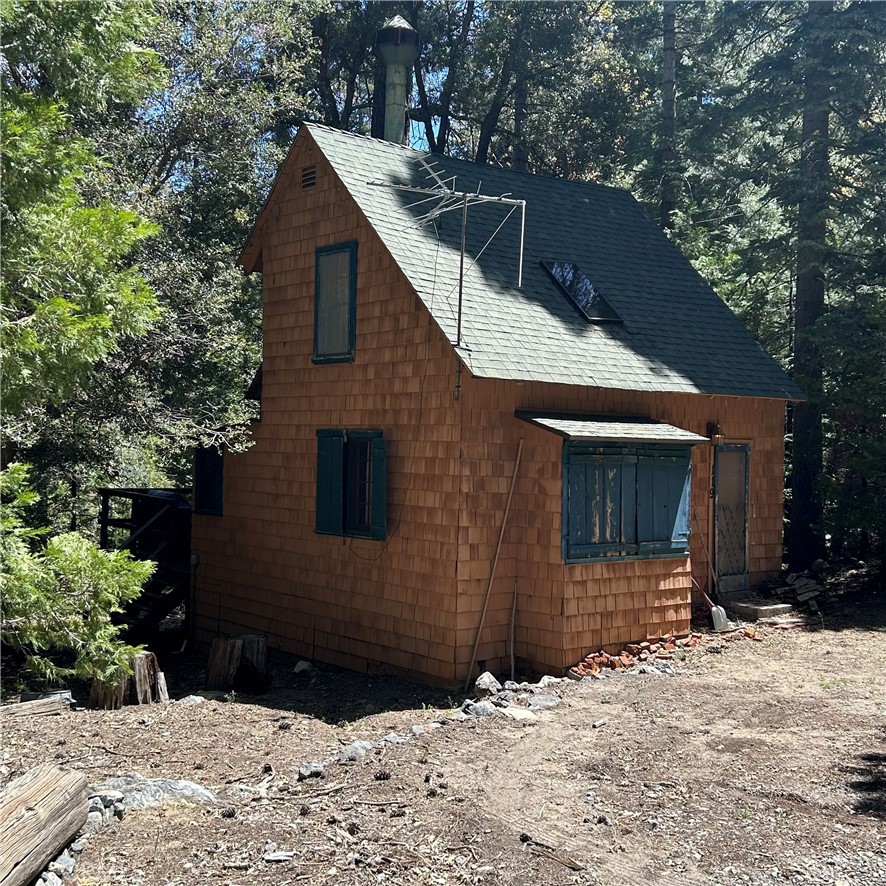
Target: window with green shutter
621 501
335 302
352 483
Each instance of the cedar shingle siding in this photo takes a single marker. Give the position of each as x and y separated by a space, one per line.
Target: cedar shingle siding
410 602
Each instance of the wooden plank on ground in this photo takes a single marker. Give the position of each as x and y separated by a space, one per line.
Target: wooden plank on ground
40 813
39 707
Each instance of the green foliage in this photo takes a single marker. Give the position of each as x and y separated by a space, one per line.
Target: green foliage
60 594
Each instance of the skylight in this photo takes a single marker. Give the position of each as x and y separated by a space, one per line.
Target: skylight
582 292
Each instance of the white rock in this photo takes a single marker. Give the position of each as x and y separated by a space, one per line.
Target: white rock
486 685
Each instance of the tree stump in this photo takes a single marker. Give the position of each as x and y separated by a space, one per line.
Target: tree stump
224 662
238 663
40 813
252 675
145 685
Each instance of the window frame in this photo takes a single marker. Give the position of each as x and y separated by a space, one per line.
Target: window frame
639 460
217 480
332 496
347 356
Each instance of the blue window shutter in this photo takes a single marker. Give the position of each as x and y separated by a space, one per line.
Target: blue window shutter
379 489
663 503
330 469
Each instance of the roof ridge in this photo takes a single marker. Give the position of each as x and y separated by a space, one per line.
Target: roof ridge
472 163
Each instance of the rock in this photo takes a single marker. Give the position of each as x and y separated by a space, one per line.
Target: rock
212 694
50 879
302 667
94 823
417 730
393 738
521 714
599 724
355 750
311 769
141 793
818 567
109 798
486 684
481 709
548 680
543 702
76 848
511 686
63 865
434 725
119 811
95 805
191 699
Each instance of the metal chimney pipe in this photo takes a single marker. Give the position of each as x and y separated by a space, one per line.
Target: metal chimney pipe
397 43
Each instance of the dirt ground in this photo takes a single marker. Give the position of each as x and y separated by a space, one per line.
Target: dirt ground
762 763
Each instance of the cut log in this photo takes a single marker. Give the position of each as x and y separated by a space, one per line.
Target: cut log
224 662
252 675
40 813
39 707
145 685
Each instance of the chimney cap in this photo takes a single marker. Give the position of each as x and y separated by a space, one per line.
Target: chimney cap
397 42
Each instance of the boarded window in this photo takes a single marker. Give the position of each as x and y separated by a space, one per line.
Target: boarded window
625 502
335 303
208 481
351 483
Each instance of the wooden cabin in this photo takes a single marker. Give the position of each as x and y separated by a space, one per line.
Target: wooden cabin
407 387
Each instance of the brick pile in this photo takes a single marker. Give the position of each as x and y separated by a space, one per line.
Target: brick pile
664 649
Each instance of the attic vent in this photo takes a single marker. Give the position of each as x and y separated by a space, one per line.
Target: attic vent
308 177
581 291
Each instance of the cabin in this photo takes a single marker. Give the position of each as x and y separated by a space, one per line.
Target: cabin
501 415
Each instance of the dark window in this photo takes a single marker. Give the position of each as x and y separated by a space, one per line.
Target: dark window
208 480
578 286
335 303
625 501
352 483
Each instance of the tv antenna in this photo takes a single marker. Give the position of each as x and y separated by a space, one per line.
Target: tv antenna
445 198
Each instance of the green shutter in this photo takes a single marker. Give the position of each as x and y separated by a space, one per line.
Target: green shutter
379 489
330 456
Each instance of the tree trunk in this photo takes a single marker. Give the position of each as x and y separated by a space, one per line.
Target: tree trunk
806 542
490 120
521 101
456 53
40 813
668 115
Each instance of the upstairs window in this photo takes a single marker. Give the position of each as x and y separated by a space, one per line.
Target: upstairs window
335 303
581 291
625 501
352 483
208 480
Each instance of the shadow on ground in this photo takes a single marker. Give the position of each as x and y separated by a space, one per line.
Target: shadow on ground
334 695
867 778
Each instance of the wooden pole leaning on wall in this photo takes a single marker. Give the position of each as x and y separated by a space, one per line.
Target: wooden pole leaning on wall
501 536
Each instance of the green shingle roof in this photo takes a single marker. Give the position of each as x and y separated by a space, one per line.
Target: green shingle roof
676 335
